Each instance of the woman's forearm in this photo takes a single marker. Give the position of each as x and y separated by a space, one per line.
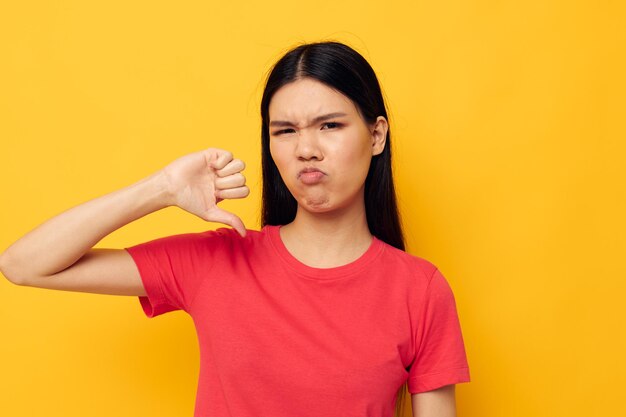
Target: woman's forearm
61 241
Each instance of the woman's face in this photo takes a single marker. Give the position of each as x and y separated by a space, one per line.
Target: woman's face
321 145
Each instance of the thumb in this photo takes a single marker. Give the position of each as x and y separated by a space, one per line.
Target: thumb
213 161
222 216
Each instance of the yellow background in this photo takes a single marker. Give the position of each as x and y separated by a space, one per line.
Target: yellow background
507 121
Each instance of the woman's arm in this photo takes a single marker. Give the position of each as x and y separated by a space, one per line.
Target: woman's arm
58 254
61 241
440 402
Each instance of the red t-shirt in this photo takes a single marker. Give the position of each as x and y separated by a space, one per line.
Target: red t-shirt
279 338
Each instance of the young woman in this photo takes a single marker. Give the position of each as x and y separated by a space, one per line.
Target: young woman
321 312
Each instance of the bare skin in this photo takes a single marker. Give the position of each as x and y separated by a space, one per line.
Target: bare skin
440 402
59 253
330 228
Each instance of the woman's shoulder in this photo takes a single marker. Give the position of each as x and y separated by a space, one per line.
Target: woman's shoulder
227 236
405 261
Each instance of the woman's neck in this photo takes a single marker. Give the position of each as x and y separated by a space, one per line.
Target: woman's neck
326 240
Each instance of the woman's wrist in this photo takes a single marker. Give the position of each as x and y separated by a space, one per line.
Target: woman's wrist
159 193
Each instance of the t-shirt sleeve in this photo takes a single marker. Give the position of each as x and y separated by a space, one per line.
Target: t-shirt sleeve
172 268
440 357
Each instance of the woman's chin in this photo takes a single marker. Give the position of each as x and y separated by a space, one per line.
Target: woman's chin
319 204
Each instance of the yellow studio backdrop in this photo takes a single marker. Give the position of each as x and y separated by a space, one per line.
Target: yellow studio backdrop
507 121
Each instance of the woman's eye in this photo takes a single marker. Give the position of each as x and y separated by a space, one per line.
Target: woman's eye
330 124
280 132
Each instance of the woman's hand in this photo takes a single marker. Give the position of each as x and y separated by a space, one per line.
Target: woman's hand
198 181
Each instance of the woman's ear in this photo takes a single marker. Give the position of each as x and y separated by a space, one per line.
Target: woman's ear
379 135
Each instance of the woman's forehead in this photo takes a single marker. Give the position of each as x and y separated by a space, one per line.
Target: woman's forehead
306 106
307 99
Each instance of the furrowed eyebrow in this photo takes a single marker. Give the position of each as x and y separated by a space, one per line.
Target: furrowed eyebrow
315 120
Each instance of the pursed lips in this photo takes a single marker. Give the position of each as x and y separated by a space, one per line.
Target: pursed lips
309 169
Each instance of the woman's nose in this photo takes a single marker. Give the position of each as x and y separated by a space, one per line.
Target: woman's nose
308 146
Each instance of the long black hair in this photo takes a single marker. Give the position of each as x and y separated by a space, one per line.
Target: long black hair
343 69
